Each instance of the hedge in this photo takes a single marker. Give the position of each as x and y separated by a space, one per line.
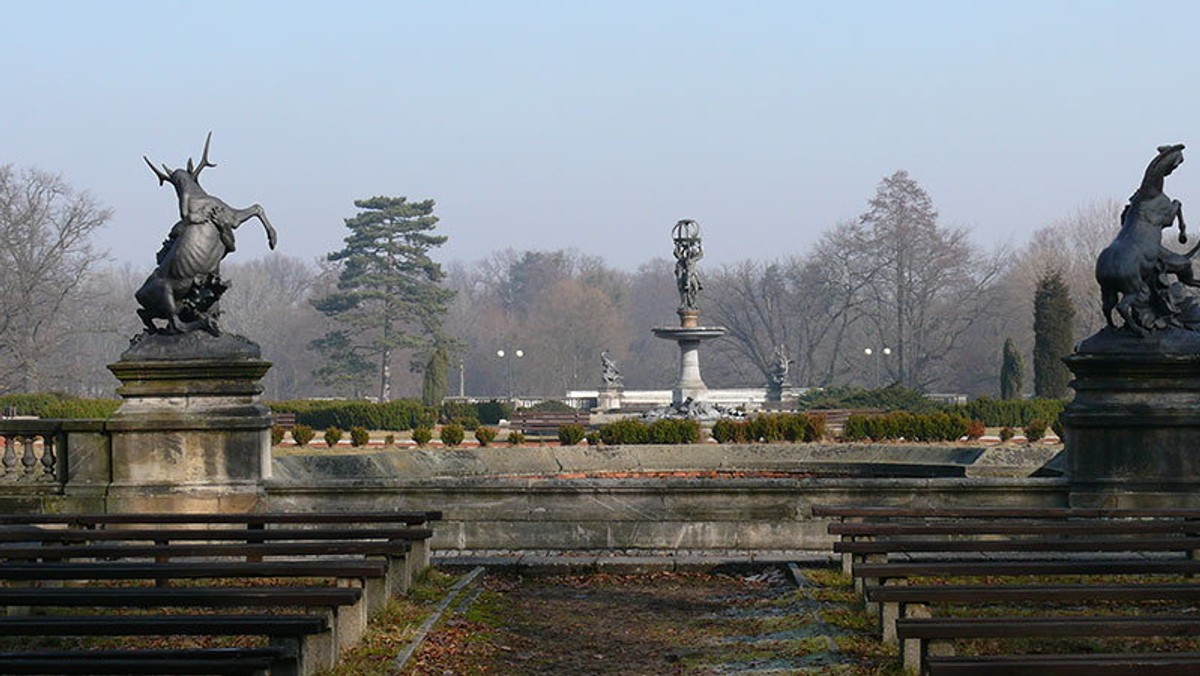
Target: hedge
55 405
1010 412
907 426
397 415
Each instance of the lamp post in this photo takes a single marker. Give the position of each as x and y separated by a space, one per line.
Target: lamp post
508 360
882 354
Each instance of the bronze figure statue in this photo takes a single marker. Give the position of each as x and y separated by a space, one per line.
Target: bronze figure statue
187 282
1135 270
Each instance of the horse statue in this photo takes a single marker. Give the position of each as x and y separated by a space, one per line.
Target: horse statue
187 282
1133 270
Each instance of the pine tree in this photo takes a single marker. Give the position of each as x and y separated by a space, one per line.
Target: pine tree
1053 319
388 294
1012 372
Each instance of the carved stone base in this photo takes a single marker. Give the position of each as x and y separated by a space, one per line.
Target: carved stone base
192 433
609 398
1133 429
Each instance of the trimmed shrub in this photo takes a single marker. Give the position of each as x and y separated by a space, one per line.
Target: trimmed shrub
452 434
332 436
302 434
674 431
975 429
816 426
1035 430
485 435
1010 413
726 431
1007 433
277 433
80 408
592 438
907 426
551 406
570 434
1059 430
389 440
516 438
395 415
359 436
492 412
624 432
422 435
768 427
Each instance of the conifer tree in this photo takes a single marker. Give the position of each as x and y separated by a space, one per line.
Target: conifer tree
389 295
1012 372
436 380
1053 339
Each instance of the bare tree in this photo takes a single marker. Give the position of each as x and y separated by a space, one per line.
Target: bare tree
45 257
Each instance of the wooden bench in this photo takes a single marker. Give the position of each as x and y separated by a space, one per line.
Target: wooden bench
223 661
284 419
546 423
916 634
895 601
306 638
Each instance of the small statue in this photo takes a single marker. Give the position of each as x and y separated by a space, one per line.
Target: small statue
609 371
187 282
688 252
1134 270
779 368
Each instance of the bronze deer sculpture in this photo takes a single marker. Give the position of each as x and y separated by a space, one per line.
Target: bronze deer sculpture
186 282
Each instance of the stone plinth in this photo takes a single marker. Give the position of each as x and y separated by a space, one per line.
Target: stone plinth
690 385
608 398
192 433
1133 429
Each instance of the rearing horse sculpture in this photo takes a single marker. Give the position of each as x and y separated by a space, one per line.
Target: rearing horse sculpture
187 281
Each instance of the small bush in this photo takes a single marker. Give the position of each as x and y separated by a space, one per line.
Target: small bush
1035 430
359 436
674 431
422 435
975 429
1007 433
389 440
485 435
452 434
593 438
277 433
816 427
1059 430
302 434
492 412
332 436
516 438
627 431
728 431
570 434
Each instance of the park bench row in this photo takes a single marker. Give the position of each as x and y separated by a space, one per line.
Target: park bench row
888 550
546 423
305 582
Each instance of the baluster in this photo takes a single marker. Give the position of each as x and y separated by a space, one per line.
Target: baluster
49 457
10 454
28 461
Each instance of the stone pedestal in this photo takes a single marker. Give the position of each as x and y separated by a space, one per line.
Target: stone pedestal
192 433
1133 429
690 385
609 398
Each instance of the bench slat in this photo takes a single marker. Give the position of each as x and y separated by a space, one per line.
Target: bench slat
1046 593
215 534
1176 544
157 625
151 597
1098 664
17 571
1090 527
225 661
259 518
999 512
1018 568
381 548
1013 627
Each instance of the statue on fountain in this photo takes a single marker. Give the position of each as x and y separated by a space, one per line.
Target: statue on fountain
1142 281
187 282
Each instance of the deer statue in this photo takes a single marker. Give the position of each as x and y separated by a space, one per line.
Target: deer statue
186 283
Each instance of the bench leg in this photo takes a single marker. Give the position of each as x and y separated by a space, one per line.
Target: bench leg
914 655
848 564
888 613
349 624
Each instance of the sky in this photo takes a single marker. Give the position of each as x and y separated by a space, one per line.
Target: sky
597 124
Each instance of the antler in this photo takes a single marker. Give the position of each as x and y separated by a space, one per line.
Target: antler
203 160
162 178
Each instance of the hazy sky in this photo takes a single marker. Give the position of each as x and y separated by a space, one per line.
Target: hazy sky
598 124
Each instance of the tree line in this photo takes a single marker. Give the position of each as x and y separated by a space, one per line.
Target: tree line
894 296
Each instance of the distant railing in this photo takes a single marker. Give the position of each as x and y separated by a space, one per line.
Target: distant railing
32 450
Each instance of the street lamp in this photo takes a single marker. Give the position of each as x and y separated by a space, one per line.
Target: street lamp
883 354
508 363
